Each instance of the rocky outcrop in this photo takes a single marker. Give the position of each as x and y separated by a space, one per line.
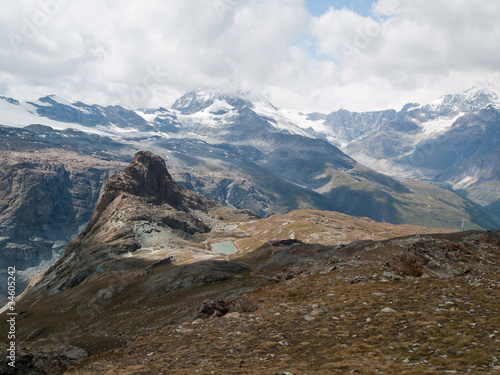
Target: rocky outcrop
455 255
147 176
444 255
46 361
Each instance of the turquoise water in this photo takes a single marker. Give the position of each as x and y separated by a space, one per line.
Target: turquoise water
224 248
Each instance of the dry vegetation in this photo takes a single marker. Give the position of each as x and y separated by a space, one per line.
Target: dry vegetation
348 315
324 227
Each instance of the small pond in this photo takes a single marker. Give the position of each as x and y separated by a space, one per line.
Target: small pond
224 248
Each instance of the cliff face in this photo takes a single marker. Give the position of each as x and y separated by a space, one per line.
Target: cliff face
45 199
41 196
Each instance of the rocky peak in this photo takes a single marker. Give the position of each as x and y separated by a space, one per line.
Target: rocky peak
10 100
146 176
199 99
471 100
142 207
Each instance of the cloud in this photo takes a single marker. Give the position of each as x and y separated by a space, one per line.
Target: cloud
148 53
140 52
413 49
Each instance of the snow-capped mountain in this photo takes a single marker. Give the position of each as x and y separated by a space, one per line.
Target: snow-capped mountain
415 124
199 111
341 127
61 114
344 127
196 114
454 140
214 108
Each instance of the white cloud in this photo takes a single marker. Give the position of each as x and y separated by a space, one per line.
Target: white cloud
148 53
411 50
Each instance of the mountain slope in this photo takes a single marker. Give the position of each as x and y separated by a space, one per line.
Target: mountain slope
350 315
466 156
143 262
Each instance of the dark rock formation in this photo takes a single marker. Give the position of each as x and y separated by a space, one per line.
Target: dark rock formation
45 362
147 176
215 308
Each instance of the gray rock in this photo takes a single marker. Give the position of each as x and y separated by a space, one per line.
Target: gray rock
388 310
391 275
73 353
232 315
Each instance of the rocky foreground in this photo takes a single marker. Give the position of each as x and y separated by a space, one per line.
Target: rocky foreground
139 292
405 306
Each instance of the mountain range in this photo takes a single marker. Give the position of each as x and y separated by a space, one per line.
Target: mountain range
431 165
452 142
448 142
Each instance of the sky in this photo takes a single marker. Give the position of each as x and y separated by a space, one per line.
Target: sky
318 7
305 55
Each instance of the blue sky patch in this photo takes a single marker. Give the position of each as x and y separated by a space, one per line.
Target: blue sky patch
318 7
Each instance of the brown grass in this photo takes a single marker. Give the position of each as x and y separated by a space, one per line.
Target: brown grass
438 325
